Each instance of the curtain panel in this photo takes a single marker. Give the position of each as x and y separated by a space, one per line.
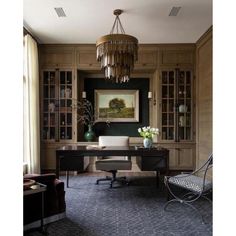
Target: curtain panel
31 139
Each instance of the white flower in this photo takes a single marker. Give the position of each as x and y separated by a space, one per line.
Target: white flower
148 132
145 129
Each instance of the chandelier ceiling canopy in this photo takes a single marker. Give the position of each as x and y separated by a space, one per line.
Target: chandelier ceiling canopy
117 52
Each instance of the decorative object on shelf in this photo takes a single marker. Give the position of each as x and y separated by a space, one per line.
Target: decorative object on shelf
182 121
68 92
148 133
62 93
117 52
51 107
183 108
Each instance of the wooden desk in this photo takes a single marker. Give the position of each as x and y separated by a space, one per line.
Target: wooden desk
71 157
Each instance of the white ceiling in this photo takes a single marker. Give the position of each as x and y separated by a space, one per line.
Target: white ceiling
87 20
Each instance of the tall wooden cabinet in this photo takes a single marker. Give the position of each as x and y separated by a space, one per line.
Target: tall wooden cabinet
58 118
176 118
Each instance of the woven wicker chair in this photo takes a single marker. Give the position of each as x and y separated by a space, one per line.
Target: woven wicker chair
196 185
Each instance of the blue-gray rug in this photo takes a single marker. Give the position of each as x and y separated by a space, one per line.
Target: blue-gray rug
135 210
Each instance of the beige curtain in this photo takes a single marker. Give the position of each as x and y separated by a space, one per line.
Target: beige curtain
31 106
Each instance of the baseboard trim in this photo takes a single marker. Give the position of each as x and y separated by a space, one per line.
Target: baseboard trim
46 220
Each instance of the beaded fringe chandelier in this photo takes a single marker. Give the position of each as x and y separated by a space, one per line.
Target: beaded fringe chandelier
117 52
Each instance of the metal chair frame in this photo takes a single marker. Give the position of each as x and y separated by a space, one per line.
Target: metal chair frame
191 196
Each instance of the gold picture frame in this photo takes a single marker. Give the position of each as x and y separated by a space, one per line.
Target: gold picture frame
117 105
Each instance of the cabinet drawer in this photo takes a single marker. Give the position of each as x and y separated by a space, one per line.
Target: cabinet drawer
176 57
146 60
57 59
181 156
185 158
87 60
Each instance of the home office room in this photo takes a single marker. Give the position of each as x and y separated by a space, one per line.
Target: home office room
118 118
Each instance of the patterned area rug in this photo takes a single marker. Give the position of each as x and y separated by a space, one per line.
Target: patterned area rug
97 210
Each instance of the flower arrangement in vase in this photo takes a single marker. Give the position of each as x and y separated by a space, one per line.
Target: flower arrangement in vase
148 133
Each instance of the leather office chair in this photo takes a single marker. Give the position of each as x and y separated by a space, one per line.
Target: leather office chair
113 164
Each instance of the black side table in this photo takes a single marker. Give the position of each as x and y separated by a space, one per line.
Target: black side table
38 188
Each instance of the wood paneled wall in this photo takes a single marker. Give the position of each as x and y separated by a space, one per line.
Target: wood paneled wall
204 98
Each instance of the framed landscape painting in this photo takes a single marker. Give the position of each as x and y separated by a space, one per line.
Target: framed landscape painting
117 105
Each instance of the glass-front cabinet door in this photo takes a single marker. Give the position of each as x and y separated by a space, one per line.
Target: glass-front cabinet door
176 105
168 105
57 95
65 105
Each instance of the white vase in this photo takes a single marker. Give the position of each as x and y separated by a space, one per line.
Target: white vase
147 142
183 108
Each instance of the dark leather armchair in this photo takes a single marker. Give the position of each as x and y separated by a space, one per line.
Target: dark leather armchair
54 202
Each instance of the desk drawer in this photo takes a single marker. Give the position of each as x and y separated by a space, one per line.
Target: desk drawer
73 163
150 163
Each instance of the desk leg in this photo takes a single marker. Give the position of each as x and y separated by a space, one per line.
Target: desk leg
158 173
67 179
42 213
57 165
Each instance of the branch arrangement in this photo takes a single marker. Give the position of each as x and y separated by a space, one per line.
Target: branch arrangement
85 112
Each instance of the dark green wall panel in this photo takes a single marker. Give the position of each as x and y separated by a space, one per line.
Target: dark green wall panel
121 128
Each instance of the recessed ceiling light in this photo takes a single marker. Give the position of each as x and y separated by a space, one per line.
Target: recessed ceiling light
174 11
60 12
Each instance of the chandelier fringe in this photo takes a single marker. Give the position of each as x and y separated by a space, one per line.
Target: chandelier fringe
117 54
